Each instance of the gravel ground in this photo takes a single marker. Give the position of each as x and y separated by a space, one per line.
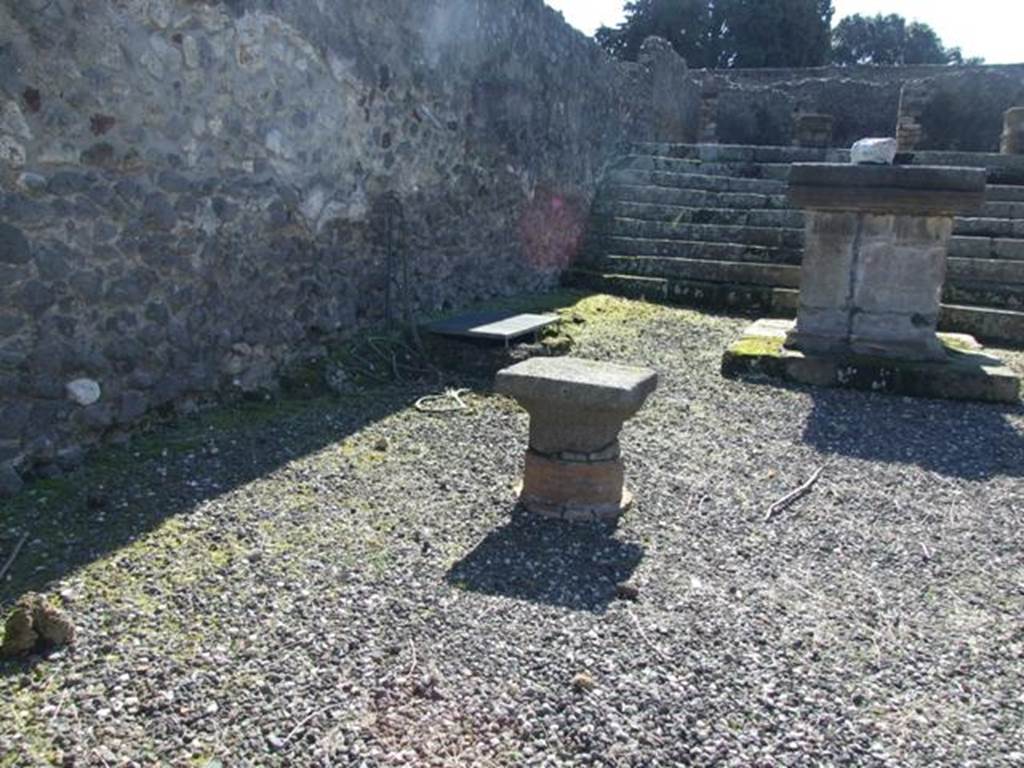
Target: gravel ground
347 581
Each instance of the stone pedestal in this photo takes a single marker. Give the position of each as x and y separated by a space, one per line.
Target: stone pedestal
1013 132
914 97
874 261
577 407
812 130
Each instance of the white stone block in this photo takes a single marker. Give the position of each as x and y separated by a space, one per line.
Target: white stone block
873 152
83 391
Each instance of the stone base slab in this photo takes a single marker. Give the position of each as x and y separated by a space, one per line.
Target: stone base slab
574 490
967 373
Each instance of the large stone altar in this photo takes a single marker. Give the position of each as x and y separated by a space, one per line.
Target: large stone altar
875 246
876 242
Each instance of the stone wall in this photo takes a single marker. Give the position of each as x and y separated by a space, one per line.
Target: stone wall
959 108
188 187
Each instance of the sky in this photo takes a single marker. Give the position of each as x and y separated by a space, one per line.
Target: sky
989 28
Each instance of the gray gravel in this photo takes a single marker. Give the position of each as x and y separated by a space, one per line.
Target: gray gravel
346 581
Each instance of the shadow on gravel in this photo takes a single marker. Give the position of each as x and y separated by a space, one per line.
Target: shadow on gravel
570 565
123 493
972 441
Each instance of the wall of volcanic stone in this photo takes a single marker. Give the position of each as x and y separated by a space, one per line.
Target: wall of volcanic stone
188 187
962 107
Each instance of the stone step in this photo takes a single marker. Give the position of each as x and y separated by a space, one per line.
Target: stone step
746 299
741 153
776 237
988 227
691 249
792 219
768 171
1003 210
1003 271
632 286
993 282
705 181
1003 202
987 324
985 248
1004 193
742 272
998 284
773 171
654 163
697 198
983 294
1003 169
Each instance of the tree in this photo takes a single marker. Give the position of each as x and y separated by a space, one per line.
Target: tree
890 40
689 25
727 33
778 33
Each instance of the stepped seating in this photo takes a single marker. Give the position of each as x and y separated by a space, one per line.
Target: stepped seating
709 226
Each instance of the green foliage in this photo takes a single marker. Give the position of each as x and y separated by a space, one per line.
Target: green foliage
890 40
727 33
778 33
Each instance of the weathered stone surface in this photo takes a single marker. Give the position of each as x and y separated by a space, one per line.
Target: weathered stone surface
917 189
35 297
876 288
14 247
874 264
967 371
873 152
67 183
588 384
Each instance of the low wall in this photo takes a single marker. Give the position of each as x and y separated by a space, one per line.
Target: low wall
958 108
189 187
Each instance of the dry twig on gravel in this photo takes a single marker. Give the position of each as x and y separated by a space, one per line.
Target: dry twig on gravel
786 501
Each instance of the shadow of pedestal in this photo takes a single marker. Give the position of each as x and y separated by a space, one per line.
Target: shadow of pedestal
570 565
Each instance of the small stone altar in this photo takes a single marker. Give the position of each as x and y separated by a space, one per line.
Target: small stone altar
875 246
574 468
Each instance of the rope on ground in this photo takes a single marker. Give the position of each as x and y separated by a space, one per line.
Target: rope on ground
448 402
797 493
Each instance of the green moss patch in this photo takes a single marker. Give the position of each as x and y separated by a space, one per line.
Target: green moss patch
758 346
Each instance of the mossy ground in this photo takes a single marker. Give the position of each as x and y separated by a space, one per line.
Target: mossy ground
126 539
225 555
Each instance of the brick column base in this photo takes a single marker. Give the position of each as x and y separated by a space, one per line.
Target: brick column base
574 490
